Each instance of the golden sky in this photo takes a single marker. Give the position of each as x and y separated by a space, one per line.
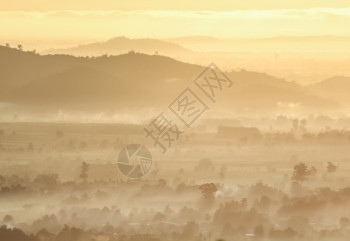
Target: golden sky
91 20
218 5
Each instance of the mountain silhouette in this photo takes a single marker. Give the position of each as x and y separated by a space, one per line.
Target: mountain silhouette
133 79
335 88
121 45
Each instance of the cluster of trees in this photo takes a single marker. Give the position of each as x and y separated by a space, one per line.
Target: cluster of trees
19 47
44 182
61 142
302 171
262 211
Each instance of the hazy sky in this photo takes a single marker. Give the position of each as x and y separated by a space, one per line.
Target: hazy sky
221 5
90 20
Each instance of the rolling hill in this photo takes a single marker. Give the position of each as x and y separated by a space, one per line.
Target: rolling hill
121 45
335 88
132 79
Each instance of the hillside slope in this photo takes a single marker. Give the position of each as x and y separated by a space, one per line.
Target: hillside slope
121 45
131 79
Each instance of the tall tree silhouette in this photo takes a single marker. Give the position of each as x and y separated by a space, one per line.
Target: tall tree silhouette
331 167
301 172
84 168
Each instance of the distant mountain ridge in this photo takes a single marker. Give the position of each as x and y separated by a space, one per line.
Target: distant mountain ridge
132 80
336 88
121 45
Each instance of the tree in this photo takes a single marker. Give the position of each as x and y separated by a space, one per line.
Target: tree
59 133
15 234
301 172
204 166
190 230
313 171
295 124
8 219
47 181
331 167
2 181
20 47
259 232
7 45
30 146
208 191
84 168
69 234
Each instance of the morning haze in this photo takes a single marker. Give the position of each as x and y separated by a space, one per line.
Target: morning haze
187 120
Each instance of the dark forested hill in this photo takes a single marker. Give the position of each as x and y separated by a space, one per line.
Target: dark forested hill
131 79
